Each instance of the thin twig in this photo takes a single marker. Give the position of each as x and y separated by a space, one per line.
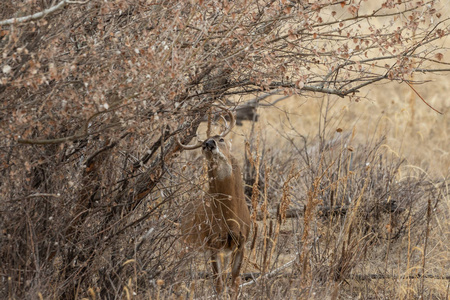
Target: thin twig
422 98
41 14
37 195
389 276
272 273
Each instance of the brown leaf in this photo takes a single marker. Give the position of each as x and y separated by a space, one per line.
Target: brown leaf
315 6
291 35
439 56
299 84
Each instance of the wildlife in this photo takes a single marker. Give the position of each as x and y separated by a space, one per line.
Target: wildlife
221 224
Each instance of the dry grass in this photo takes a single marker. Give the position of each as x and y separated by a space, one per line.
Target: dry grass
413 131
360 213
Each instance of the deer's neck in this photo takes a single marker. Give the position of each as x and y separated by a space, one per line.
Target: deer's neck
224 186
225 179
220 169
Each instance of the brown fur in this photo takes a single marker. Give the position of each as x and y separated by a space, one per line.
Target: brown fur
222 223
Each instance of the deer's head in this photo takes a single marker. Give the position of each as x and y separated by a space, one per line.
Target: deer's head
217 151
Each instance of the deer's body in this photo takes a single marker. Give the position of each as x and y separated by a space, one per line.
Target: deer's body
222 223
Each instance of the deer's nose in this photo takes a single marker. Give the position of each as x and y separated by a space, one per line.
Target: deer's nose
210 145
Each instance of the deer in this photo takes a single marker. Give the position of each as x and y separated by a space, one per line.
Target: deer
222 225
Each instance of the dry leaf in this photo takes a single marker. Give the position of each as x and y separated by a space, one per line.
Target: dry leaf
6 69
439 56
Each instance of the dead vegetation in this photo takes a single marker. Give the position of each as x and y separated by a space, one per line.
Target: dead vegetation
340 221
93 185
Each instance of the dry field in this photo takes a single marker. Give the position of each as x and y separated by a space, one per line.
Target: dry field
364 196
412 130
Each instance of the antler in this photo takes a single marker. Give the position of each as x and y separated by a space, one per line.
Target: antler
189 147
224 133
232 121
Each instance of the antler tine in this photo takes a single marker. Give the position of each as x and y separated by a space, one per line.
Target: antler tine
232 121
189 147
227 130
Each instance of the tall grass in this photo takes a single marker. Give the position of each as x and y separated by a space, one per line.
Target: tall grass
335 216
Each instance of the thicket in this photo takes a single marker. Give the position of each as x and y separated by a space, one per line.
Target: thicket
93 187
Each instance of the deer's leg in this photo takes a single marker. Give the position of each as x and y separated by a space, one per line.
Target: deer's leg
236 263
217 271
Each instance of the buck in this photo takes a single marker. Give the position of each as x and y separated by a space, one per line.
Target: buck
222 224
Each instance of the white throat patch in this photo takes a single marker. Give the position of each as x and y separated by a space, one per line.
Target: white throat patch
221 166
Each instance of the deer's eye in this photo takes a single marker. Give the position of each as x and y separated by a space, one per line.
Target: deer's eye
221 140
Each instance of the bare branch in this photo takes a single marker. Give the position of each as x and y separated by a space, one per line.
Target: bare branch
272 273
37 195
51 141
41 14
